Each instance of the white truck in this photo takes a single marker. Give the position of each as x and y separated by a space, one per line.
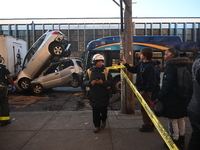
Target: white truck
12 51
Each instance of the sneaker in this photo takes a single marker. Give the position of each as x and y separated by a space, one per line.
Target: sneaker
145 129
103 125
96 129
5 122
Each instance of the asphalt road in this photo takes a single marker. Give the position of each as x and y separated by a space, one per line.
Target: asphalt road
56 99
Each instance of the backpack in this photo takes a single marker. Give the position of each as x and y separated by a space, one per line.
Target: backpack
184 83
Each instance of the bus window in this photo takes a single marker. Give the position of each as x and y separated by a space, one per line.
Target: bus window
190 54
157 54
114 58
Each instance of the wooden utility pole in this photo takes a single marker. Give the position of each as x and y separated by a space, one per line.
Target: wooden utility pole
127 96
123 93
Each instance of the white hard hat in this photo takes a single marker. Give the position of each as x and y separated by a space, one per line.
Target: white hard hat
97 57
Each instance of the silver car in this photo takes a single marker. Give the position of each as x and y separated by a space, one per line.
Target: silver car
68 71
49 47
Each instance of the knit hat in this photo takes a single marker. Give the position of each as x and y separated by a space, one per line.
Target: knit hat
174 51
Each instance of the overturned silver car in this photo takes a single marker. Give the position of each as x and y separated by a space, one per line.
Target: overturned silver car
51 46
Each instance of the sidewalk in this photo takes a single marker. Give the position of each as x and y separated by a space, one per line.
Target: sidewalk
73 130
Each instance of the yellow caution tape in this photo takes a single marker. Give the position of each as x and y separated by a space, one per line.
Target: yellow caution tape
118 67
157 124
4 118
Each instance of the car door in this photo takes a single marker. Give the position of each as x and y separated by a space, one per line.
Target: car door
66 70
52 77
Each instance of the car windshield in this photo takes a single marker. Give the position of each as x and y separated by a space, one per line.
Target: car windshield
33 50
66 64
59 66
80 64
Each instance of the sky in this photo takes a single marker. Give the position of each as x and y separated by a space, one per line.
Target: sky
97 8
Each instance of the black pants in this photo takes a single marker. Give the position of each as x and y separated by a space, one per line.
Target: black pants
4 106
194 143
99 114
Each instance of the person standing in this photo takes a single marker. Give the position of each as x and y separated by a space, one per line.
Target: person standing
145 82
99 80
194 107
175 107
4 105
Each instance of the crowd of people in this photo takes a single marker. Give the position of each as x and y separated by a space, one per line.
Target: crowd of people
148 84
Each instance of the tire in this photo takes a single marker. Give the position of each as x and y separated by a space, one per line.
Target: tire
67 53
37 89
75 82
56 49
24 84
116 85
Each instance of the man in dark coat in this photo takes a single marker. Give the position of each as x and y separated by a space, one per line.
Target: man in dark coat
99 81
145 83
175 107
194 107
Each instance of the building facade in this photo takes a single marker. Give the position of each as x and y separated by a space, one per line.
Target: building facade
80 31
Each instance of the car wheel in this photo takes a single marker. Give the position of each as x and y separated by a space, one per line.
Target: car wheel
38 89
67 53
75 82
56 49
24 84
116 85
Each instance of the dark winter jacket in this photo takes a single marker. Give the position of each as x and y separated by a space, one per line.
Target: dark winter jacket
98 92
174 106
194 105
146 77
3 72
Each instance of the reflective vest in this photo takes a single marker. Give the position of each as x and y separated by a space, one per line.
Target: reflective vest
105 71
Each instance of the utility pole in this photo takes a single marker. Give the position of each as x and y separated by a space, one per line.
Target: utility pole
128 54
126 38
127 95
122 41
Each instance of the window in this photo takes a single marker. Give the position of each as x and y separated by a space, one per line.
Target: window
13 29
165 29
98 33
4 29
189 28
189 34
48 27
114 32
140 32
180 32
139 26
